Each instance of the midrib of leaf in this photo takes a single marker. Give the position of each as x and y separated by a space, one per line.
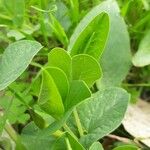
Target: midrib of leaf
89 42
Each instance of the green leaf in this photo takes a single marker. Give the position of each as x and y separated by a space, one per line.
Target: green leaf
60 80
75 145
116 58
90 35
56 125
96 146
59 144
38 120
58 30
74 10
102 113
86 68
32 141
78 92
14 109
58 57
35 88
49 99
142 56
15 60
17 13
126 147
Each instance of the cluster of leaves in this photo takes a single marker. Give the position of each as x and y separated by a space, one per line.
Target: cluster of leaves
74 98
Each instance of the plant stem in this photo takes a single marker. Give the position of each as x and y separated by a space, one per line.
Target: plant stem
11 132
58 133
68 144
134 85
79 126
36 65
69 130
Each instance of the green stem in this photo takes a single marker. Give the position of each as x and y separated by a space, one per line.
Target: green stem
58 133
36 65
68 144
134 85
79 126
69 131
11 132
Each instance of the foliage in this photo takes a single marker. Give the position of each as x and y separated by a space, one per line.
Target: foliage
65 78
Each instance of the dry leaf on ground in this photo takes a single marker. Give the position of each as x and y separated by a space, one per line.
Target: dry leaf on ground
137 121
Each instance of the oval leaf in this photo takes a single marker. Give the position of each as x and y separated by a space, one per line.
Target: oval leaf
86 68
78 92
102 113
15 60
116 58
49 99
60 80
58 57
90 35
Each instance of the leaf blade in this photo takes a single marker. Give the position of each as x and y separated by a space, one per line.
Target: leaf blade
86 68
93 31
77 93
102 113
49 99
15 60
58 57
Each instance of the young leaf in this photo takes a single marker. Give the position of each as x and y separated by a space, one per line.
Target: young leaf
90 35
86 68
126 147
116 47
116 58
58 57
78 92
96 146
15 60
102 113
142 56
60 80
49 99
